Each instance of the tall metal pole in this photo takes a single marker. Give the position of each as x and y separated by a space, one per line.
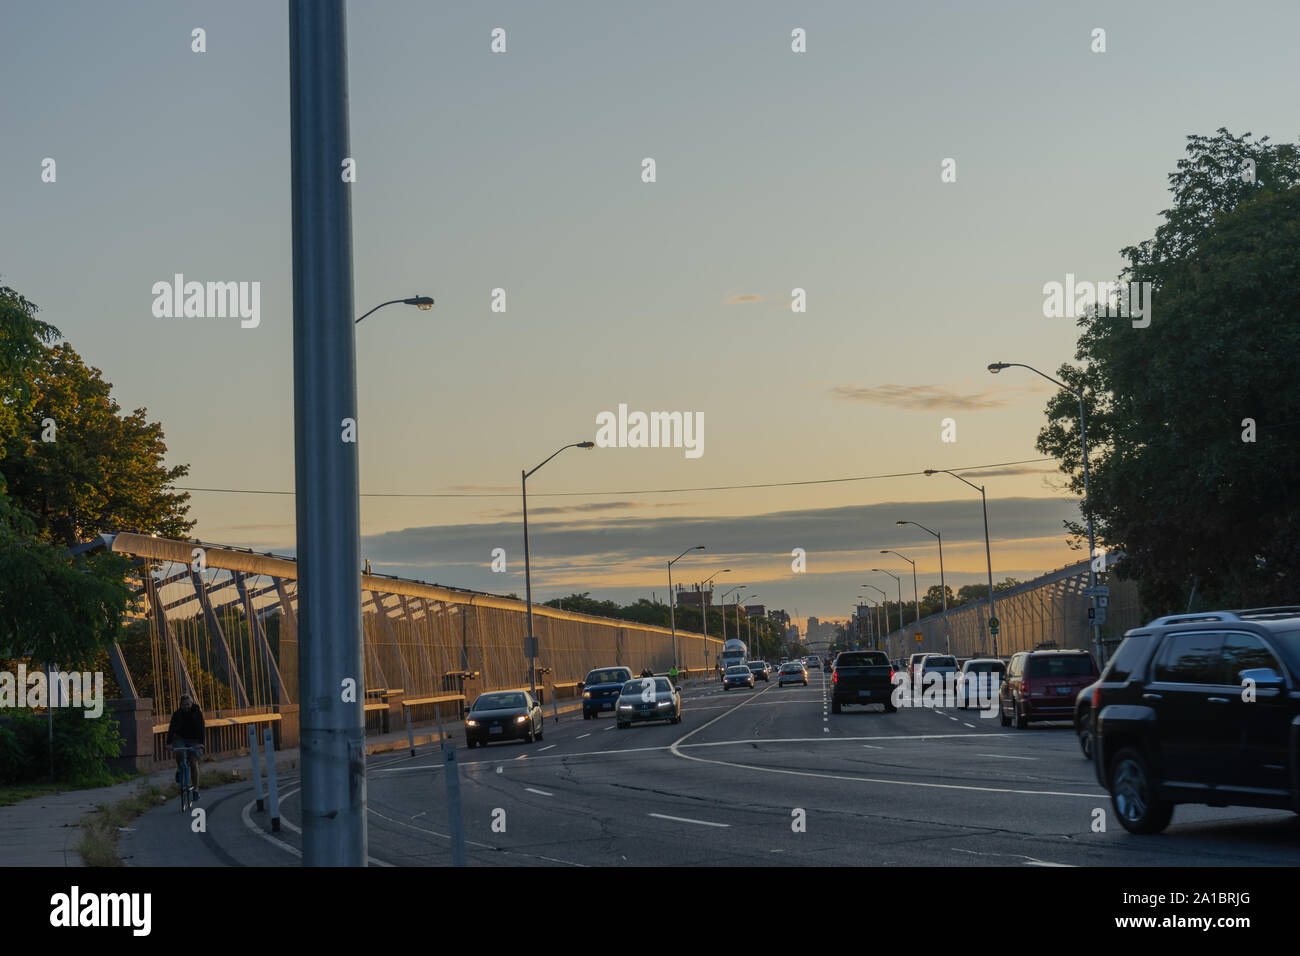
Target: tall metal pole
989 558
943 590
1092 543
332 718
528 591
672 612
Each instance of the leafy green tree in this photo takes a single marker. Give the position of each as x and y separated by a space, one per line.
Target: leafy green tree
1177 483
103 471
22 340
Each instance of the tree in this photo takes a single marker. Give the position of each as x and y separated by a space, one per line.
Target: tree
1192 420
102 471
22 340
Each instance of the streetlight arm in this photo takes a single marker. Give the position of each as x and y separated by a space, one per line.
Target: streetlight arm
377 308
1002 365
921 526
529 474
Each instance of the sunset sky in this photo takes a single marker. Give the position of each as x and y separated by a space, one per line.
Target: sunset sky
776 171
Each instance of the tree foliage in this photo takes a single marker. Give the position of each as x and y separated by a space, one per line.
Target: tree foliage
103 471
1173 484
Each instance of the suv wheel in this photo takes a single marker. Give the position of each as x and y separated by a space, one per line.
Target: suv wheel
1085 736
835 706
1003 719
1132 793
1022 720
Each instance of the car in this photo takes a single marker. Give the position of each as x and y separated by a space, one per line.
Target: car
914 663
862 677
760 670
601 688
1200 708
1083 718
814 662
737 675
980 680
648 698
791 672
1042 685
503 715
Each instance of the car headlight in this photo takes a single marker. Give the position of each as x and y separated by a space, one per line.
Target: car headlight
624 706
471 723
665 703
522 718
586 693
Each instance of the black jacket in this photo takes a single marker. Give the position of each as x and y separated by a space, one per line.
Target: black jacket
187 726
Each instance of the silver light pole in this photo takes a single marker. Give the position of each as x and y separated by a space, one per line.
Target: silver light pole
332 729
916 597
528 568
704 612
672 600
987 553
943 586
899 582
1083 439
884 606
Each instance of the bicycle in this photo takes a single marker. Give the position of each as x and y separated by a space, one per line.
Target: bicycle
187 790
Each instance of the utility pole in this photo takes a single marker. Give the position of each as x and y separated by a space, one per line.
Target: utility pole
330 662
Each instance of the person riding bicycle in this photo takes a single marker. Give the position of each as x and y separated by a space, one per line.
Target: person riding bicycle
647 672
186 730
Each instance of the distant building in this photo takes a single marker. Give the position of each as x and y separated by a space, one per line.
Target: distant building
693 596
755 610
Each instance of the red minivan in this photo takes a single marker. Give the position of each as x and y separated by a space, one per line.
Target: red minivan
1042 685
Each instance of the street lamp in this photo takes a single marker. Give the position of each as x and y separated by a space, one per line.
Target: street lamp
672 602
722 599
943 587
915 594
1083 440
885 628
528 570
749 630
421 302
987 553
704 611
899 582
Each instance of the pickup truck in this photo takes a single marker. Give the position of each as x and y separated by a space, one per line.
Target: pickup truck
862 677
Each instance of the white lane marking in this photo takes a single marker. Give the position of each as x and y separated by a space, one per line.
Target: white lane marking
584 735
610 727
703 823
547 747
971 726
1032 862
826 730
522 757
246 815
873 747
1006 756
486 846
675 748
542 792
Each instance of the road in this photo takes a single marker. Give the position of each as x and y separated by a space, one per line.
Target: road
750 778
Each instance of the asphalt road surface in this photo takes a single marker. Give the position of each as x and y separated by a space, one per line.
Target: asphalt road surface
749 778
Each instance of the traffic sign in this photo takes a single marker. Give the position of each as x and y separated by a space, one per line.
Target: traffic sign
1097 615
918 638
1101 590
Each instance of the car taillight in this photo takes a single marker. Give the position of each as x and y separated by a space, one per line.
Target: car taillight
1096 696
834 677
891 675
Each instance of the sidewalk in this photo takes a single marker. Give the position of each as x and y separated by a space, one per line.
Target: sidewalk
45 831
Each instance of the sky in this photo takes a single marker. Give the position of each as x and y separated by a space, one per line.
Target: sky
522 171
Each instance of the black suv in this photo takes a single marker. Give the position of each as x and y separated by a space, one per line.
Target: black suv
1200 708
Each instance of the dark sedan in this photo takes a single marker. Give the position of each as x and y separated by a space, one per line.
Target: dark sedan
504 715
737 675
648 698
761 669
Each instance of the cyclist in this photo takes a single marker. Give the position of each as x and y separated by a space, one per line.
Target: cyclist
647 672
186 730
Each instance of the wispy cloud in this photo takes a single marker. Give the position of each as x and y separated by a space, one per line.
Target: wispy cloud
922 397
1013 470
743 299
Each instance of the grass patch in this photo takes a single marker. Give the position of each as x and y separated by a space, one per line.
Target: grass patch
18 792
101 828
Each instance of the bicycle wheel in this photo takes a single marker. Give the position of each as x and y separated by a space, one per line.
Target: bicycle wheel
185 785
